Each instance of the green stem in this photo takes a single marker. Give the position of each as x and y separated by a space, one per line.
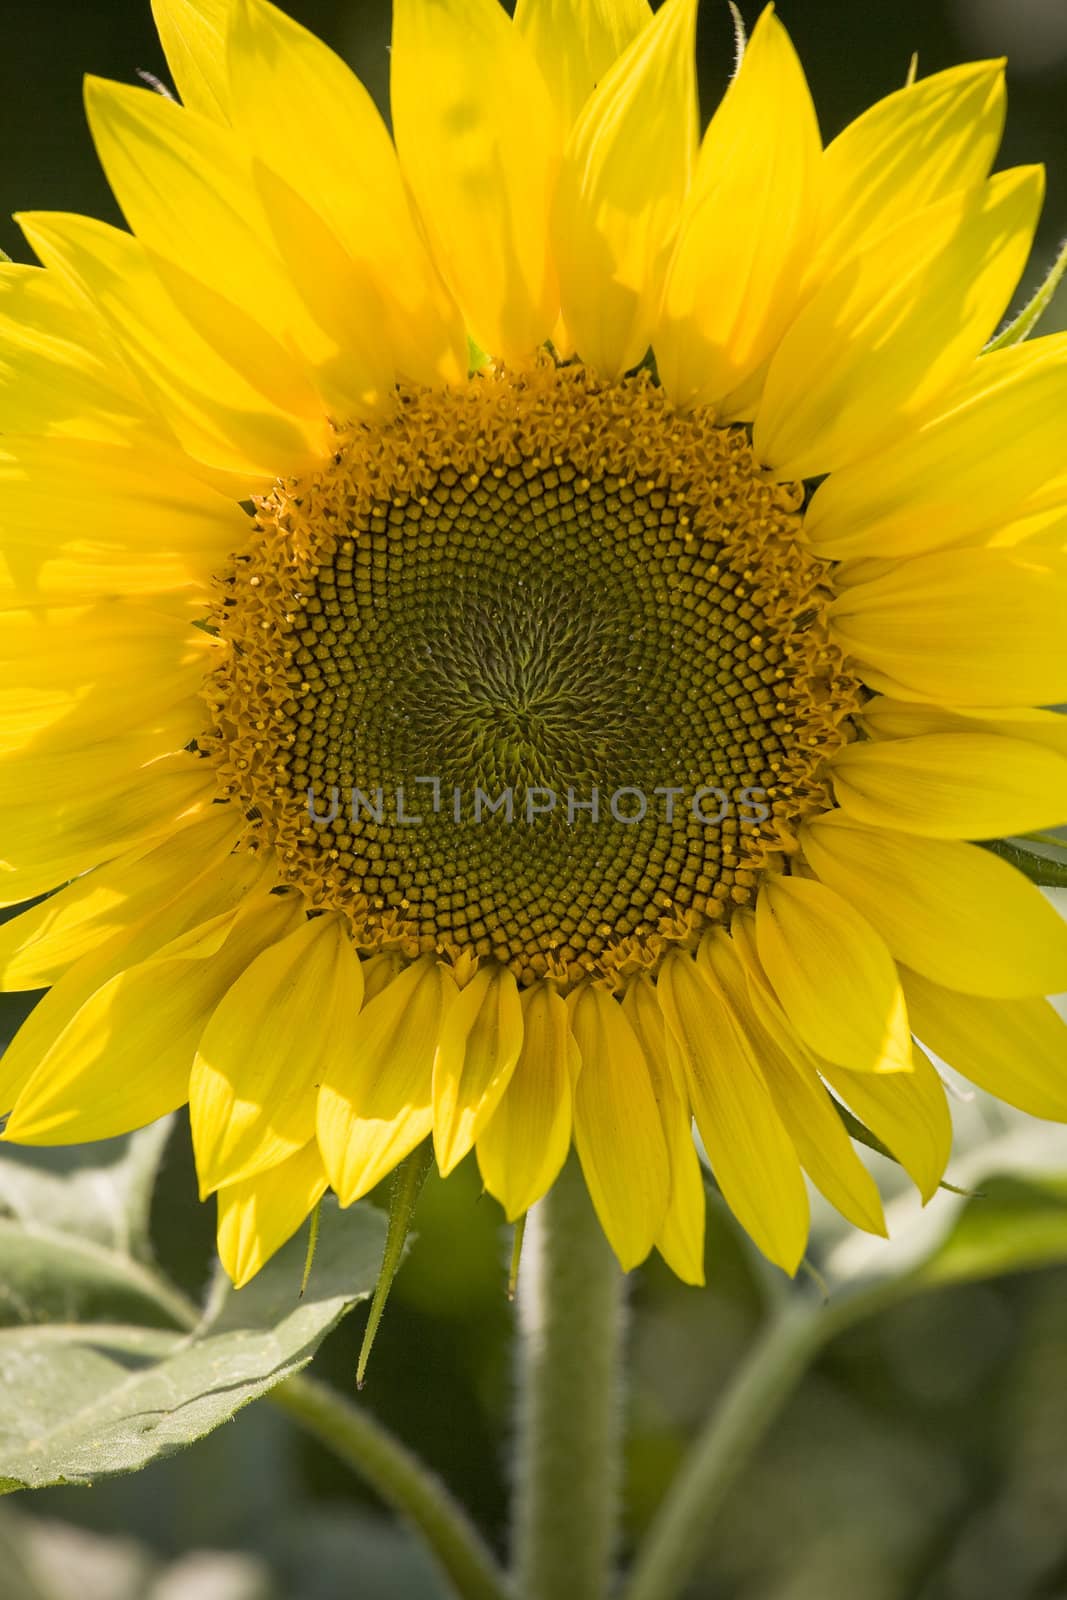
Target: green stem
681 1530
400 1479
397 1476
570 1301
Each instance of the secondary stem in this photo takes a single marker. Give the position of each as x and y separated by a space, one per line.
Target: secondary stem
379 1458
569 1405
756 1393
400 1479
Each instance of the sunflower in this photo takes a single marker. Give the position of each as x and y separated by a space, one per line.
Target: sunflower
512 630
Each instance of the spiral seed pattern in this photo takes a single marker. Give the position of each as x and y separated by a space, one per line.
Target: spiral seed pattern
540 586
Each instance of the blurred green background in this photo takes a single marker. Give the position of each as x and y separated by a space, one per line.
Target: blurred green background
924 1457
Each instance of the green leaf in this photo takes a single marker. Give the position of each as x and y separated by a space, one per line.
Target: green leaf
1046 867
862 1134
1016 1224
1023 325
1009 1214
476 357
104 1366
108 1201
408 1180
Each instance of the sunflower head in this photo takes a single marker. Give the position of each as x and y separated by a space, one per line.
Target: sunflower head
520 627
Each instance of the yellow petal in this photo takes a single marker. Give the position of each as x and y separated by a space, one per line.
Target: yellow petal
967 627
576 42
356 378
80 519
186 192
744 402
47 844
186 901
894 327
907 1111
265 1050
833 975
376 1101
58 374
308 118
479 1046
479 146
258 1215
626 170
76 674
522 1148
379 972
193 35
93 769
38 946
952 785
885 718
124 1058
1045 528
907 151
617 1129
953 911
734 277
992 453
214 409
751 1155
681 1239
825 1150
1014 1049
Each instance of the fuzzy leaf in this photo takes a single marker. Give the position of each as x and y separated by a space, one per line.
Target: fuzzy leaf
106 1200
104 1366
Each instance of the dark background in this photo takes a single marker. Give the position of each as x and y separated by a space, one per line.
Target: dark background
926 1456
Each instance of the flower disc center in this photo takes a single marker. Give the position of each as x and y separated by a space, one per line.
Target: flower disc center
534 671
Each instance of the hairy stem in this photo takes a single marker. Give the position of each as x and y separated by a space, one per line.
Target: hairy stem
571 1315
684 1525
400 1479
